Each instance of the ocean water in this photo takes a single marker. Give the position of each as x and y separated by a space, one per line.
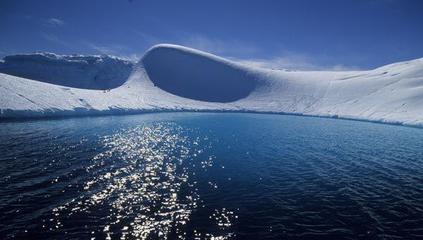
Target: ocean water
210 176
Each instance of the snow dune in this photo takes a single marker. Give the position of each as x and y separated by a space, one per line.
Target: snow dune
171 77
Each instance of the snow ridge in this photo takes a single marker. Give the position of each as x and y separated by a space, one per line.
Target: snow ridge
91 72
176 78
195 75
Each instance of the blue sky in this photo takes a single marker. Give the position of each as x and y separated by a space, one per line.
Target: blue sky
337 34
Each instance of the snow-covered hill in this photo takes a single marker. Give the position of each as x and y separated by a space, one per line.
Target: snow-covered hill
171 77
91 72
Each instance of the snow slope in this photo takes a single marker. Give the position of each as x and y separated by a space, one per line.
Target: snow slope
171 77
91 72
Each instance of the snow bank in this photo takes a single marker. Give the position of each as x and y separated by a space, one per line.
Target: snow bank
90 72
171 77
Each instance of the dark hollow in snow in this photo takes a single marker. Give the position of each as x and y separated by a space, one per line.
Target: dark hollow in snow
196 76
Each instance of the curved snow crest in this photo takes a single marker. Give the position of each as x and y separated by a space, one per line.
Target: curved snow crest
196 75
193 51
79 71
176 78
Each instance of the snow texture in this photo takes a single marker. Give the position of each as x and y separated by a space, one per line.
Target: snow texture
91 72
176 78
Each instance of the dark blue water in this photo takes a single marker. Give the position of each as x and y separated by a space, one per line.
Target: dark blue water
210 176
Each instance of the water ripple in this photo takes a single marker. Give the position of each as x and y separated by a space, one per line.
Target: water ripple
140 179
210 176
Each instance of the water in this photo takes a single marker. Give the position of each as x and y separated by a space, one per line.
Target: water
210 176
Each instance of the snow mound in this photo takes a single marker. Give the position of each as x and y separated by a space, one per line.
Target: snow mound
196 75
90 72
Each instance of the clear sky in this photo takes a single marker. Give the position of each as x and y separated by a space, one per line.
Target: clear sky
314 34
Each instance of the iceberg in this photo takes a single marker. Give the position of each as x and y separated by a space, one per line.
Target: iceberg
176 78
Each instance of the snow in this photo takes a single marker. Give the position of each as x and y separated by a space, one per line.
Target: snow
91 72
171 77
200 77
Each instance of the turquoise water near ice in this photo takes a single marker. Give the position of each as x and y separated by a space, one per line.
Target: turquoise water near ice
210 176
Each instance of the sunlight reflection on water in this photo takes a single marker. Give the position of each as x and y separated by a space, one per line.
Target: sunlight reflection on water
210 176
143 180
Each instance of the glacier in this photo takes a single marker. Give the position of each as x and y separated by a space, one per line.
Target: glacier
176 78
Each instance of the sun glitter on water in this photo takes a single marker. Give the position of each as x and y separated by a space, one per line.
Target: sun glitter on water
141 183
